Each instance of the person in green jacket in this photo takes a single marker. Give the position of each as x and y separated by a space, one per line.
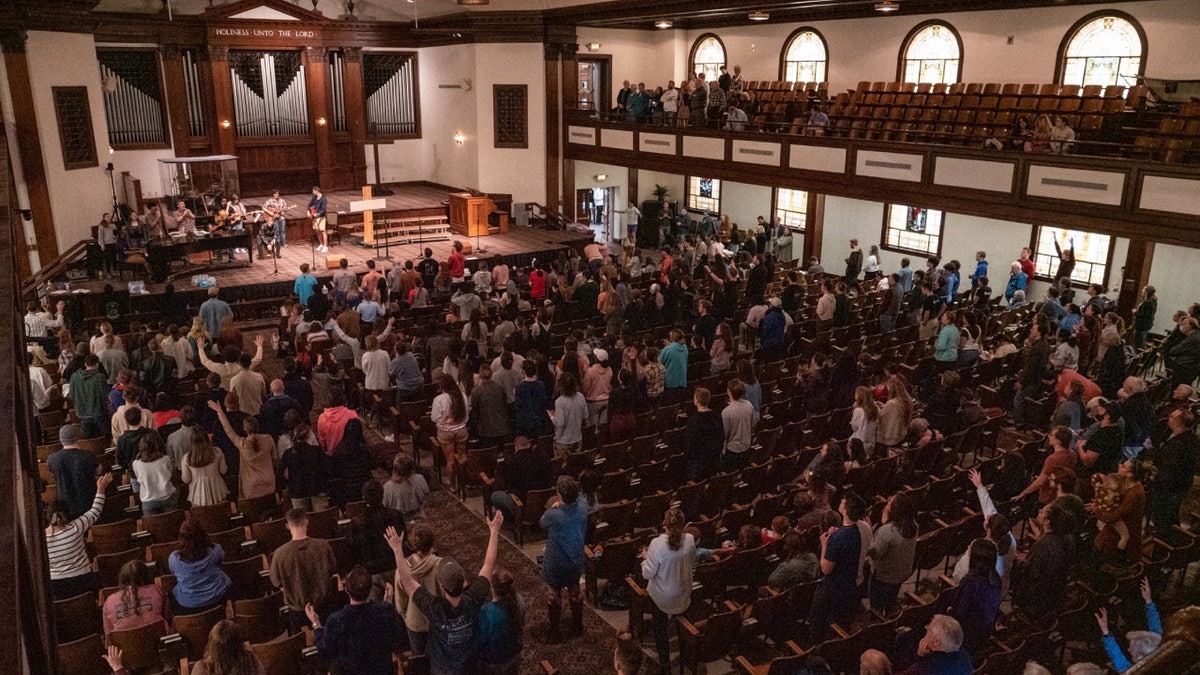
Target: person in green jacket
946 352
89 391
1143 316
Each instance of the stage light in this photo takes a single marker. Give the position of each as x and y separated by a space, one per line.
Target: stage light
759 16
459 138
225 124
663 24
886 6
321 121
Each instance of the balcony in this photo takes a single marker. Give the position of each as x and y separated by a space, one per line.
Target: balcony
1134 196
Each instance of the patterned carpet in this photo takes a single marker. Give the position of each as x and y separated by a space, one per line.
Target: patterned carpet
462 535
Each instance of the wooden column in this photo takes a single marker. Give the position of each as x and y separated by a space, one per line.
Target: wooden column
318 109
224 138
632 197
553 129
814 228
567 101
29 146
356 120
1135 274
175 90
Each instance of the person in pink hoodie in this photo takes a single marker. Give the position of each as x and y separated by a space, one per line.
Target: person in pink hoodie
331 425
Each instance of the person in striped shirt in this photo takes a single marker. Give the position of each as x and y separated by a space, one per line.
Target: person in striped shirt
70 569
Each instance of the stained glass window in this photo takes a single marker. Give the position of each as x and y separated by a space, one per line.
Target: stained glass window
932 55
805 58
707 57
704 194
1105 51
912 229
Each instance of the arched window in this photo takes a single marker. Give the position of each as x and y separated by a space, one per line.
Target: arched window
1102 49
708 55
805 57
932 53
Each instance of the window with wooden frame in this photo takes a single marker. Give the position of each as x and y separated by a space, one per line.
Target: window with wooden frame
704 194
791 207
510 107
1093 254
708 55
74 116
132 94
391 88
805 56
932 52
1104 49
912 229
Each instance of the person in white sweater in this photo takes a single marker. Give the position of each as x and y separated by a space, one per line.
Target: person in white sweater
667 566
375 363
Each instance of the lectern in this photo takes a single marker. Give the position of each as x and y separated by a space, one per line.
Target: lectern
469 214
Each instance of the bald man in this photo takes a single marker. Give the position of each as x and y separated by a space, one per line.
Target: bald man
270 416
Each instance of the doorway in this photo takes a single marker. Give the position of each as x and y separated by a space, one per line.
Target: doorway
595 83
594 207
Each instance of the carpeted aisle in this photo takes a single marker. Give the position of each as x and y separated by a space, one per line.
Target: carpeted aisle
462 534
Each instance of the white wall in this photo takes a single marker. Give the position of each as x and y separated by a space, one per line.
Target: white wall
142 165
445 112
77 197
648 179
638 55
745 203
520 172
1165 278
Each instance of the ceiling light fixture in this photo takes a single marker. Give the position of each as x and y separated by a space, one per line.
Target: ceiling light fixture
663 24
886 6
759 16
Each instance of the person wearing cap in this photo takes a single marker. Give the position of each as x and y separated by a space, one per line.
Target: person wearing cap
74 472
772 330
1104 450
565 523
452 616
596 387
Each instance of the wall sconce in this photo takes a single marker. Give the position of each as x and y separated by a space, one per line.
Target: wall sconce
110 150
593 46
459 138
600 177
321 121
225 124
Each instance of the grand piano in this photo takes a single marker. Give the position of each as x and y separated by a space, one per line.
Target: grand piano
160 254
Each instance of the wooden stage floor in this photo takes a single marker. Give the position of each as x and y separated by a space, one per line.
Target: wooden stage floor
518 241
404 197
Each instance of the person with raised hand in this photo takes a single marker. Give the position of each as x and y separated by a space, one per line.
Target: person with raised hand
452 616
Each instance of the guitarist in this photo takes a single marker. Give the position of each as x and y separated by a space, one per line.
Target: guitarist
316 212
273 210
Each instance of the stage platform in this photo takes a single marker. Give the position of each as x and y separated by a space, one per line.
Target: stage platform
405 197
254 289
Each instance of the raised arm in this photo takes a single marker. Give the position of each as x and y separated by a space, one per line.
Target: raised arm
258 353
403 572
229 431
489 559
985 499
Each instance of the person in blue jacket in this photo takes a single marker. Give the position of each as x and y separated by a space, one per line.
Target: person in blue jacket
1141 642
565 523
981 269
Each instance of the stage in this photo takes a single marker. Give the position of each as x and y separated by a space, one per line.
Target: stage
256 291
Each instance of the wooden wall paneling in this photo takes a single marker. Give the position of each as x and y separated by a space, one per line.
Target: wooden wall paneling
29 146
224 138
175 95
319 105
554 149
814 228
1135 274
356 121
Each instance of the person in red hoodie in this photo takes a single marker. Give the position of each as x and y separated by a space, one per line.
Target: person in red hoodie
537 282
331 425
457 262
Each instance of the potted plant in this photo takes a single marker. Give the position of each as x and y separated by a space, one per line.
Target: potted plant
661 192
